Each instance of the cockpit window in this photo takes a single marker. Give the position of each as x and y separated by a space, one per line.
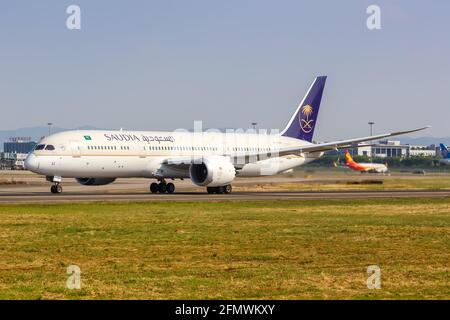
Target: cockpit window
49 147
40 147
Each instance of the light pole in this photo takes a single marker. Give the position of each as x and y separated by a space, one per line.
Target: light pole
49 127
371 123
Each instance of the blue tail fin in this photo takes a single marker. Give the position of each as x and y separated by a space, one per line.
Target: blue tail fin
444 151
302 124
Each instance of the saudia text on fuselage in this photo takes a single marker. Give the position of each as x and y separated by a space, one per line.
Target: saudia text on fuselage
138 138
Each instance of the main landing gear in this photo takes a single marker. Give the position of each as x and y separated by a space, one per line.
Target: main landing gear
162 187
220 190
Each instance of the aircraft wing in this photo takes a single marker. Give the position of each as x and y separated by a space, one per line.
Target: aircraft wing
255 156
344 143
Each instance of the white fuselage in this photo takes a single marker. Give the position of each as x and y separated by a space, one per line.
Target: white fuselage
375 167
115 154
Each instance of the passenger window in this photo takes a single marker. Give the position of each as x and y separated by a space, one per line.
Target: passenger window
40 147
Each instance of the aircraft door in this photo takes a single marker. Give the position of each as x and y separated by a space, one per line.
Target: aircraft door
75 147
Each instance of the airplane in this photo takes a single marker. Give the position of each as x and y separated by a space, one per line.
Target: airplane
445 155
364 167
209 159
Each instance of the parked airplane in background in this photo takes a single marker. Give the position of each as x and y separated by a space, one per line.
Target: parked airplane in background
364 167
445 155
210 159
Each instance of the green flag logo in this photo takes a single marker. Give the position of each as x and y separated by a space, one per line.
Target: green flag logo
87 138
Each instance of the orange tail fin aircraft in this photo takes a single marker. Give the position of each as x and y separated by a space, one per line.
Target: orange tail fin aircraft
364 167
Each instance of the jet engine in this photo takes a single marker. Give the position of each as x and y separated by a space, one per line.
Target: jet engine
95 181
212 172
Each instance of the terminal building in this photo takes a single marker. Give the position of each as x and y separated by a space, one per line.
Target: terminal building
14 153
393 148
19 145
385 148
424 151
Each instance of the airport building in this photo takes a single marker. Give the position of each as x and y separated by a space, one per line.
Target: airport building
424 151
393 148
7 161
15 152
19 145
385 148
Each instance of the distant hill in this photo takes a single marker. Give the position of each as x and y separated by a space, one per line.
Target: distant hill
423 140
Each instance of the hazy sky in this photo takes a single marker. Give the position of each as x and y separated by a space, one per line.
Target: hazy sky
163 64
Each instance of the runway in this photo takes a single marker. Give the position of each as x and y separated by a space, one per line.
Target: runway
31 188
71 197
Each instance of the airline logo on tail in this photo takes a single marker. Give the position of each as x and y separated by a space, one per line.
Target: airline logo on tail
445 155
348 157
302 124
352 164
444 151
307 124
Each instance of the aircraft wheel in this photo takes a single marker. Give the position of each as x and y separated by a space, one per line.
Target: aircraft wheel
227 189
220 190
154 188
162 187
170 187
210 190
56 188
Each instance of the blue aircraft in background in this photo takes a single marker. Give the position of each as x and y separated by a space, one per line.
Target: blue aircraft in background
445 155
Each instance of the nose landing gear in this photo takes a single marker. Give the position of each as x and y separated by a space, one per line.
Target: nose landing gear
56 188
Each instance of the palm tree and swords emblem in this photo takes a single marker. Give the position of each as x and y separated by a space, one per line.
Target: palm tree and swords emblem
307 124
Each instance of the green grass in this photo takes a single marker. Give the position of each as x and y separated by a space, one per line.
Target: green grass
227 250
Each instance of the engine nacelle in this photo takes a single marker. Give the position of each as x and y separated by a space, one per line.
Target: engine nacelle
95 181
212 172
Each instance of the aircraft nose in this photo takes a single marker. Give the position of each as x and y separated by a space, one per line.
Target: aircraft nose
31 162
